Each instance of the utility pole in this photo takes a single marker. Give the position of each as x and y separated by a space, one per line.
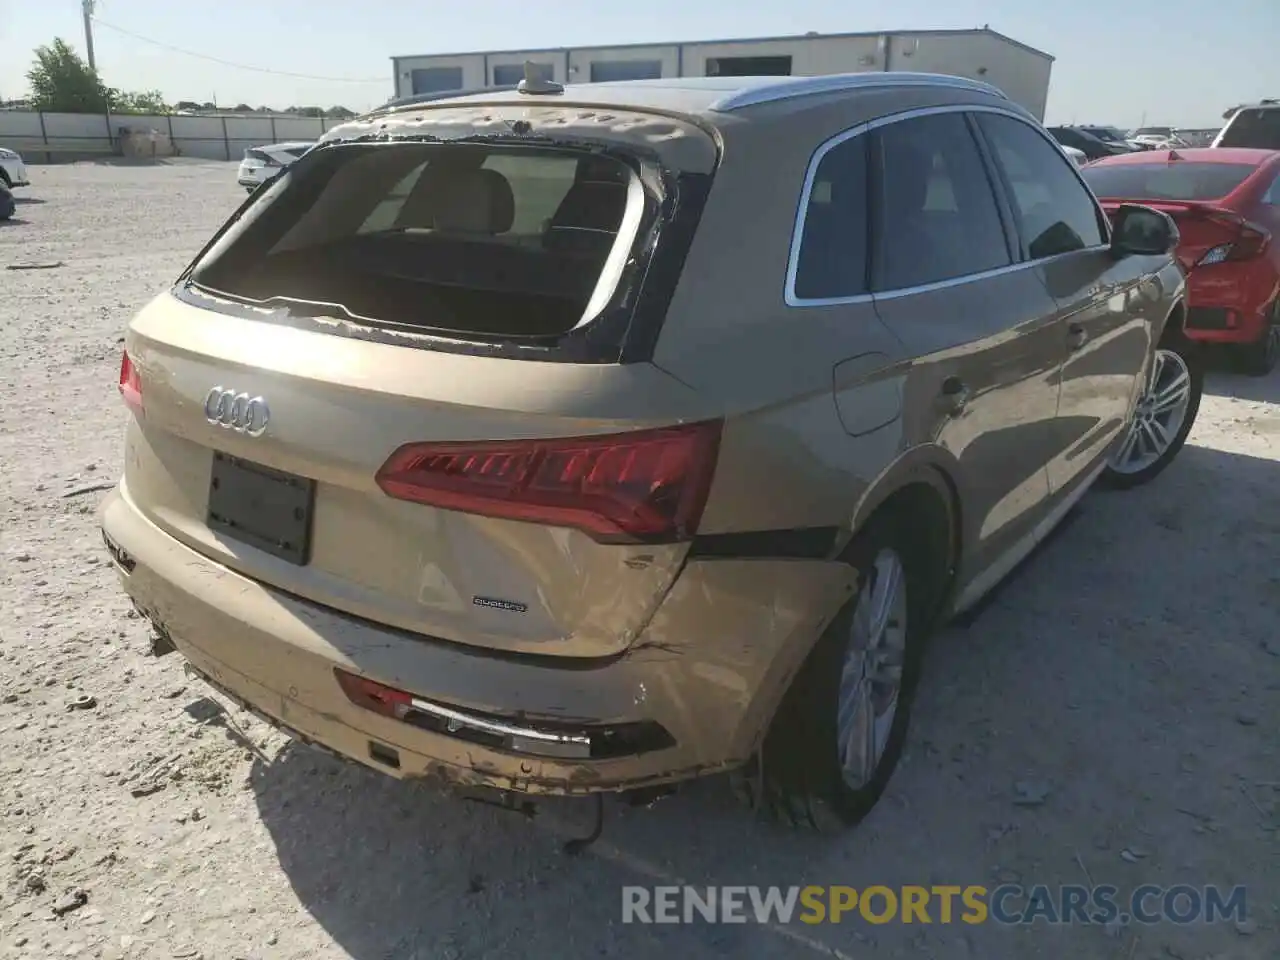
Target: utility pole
86 7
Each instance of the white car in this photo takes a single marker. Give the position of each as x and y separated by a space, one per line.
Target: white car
262 163
13 172
1077 155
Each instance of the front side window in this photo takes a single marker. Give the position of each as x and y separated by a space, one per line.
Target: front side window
1272 196
1054 210
832 258
935 211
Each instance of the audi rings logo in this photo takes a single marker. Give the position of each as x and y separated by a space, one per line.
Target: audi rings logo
237 411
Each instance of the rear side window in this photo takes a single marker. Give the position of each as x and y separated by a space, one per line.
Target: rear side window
832 258
1272 196
1055 212
494 240
1166 181
1257 127
934 208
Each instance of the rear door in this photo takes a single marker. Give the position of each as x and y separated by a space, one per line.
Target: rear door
945 280
1103 322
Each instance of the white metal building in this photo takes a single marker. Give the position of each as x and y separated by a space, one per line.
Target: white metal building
1022 72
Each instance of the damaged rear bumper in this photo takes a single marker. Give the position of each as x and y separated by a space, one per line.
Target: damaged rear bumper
536 725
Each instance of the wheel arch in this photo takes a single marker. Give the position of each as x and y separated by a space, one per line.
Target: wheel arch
922 492
1173 330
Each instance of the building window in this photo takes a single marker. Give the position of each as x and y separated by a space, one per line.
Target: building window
748 66
436 79
509 74
604 70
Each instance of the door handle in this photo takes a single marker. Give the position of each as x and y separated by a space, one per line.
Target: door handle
1077 336
955 396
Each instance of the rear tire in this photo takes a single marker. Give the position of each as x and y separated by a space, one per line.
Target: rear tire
1261 357
839 732
4 178
1162 419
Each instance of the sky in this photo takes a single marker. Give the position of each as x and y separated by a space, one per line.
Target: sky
1121 62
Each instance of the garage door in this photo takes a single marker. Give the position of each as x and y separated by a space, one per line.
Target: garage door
437 79
604 70
508 75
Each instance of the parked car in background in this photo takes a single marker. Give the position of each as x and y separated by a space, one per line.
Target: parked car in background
262 163
1226 202
1108 135
1077 156
1086 143
498 445
1256 125
13 172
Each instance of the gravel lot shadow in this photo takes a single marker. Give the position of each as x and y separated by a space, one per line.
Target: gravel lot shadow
1082 687
24 201
1259 389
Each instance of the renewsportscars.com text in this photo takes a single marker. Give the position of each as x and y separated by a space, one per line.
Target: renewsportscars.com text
1009 904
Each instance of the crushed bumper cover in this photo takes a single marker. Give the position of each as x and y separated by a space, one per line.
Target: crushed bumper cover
276 654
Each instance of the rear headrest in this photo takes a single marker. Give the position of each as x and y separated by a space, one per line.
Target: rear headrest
601 170
475 201
906 179
592 205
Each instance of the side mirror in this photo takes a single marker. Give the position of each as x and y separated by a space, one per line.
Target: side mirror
1142 231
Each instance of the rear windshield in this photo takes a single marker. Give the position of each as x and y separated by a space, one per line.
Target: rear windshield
496 240
1165 181
1258 128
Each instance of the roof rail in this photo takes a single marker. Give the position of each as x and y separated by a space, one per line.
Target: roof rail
792 87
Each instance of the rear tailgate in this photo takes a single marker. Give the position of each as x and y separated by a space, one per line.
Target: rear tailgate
332 410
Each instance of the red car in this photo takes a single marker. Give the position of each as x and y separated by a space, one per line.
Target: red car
1226 202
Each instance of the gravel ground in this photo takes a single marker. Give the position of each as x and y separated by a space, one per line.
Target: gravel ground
1130 674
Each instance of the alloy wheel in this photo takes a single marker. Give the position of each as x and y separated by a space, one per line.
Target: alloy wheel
1158 416
871 676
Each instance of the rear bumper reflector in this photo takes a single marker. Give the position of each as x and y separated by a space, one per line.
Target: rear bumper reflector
542 739
1210 318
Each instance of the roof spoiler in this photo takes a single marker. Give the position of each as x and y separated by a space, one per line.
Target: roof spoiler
413 100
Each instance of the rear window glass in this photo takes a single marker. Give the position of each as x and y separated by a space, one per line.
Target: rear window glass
1259 128
1166 181
467 238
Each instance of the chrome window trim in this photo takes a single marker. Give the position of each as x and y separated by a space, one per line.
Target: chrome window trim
797 232
790 89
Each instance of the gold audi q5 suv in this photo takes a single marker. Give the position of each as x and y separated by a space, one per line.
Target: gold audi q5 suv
589 438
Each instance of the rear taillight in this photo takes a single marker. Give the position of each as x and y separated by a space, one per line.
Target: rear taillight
377 697
1251 242
647 486
130 384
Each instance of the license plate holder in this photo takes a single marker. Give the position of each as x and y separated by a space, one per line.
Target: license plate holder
263 507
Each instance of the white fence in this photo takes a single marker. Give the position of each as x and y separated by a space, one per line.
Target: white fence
52 136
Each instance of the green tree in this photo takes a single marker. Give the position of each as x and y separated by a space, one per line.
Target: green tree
146 101
61 82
